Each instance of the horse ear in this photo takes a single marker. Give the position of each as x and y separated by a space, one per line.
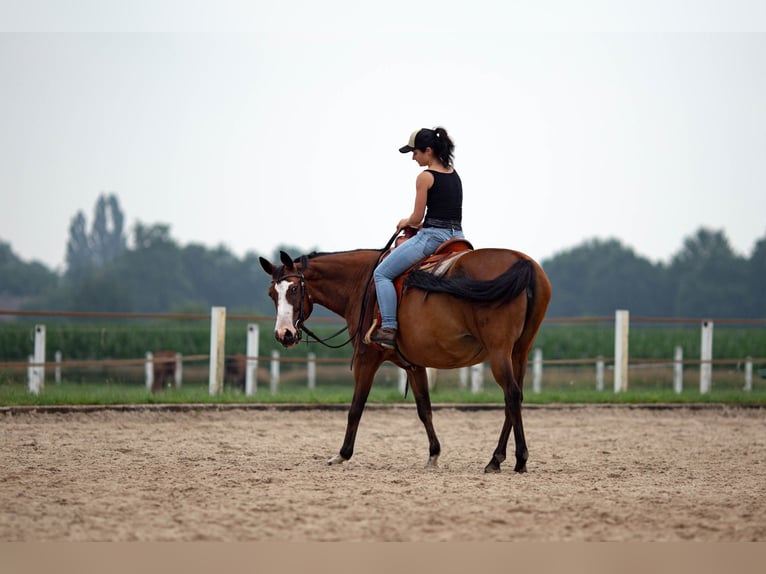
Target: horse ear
268 267
287 261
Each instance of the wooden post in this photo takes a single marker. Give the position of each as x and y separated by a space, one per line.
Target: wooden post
217 349
463 378
149 370
178 375
748 374
706 357
431 375
600 368
537 370
251 369
32 385
274 383
621 332
477 378
57 369
37 378
678 370
312 370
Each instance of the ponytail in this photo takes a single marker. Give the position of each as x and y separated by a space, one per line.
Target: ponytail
443 147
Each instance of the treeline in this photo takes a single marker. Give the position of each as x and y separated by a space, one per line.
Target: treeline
157 275
705 279
154 275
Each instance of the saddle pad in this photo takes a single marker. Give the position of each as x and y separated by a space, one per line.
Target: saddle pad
445 256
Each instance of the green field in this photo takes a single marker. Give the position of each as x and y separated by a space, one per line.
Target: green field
110 394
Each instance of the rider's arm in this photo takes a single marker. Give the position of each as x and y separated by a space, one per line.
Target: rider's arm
422 184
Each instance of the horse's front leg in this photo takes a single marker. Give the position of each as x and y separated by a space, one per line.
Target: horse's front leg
418 379
363 377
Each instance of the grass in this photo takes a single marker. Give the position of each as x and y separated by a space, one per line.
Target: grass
108 393
565 384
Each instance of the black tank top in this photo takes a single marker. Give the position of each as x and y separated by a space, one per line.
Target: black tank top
445 197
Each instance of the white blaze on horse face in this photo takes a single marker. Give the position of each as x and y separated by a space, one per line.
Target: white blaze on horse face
285 310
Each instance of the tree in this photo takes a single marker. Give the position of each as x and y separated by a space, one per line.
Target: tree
106 240
78 255
710 279
20 279
756 279
598 277
147 236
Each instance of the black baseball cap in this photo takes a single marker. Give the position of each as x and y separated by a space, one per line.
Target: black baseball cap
420 139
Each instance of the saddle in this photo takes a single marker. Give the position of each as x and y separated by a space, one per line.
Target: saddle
441 261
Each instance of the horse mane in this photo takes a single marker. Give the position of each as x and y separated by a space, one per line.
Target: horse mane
502 289
315 254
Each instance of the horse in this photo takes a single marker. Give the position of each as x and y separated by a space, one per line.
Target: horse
164 370
488 306
234 370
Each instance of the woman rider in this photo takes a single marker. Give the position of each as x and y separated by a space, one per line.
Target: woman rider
437 215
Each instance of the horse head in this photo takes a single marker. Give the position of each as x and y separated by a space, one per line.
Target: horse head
291 298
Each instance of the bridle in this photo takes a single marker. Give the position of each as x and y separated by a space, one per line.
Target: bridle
300 318
299 321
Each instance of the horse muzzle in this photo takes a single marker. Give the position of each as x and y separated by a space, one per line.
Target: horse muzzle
287 338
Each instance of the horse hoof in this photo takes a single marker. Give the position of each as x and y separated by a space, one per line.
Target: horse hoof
433 462
521 462
492 467
337 459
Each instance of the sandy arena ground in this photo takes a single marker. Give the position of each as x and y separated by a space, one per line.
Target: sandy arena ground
595 474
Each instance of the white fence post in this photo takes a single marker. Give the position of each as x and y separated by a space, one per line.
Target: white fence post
748 374
36 372
537 370
251 369
32 385
40 354
402 381
149 370
178 375
274 383
678 370
217 349
312 370
432 375
621 332
600 368
477 378
706 356
57 369
463 378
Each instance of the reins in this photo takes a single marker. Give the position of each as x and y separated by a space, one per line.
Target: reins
301 318
299 321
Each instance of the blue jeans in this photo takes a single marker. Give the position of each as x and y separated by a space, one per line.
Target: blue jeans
402 258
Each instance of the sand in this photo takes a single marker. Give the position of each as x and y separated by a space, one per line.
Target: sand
259 474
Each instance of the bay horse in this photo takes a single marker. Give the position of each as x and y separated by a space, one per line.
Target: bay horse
163 370
488 306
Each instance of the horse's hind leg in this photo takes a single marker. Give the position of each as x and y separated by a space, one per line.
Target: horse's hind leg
503 374
418 380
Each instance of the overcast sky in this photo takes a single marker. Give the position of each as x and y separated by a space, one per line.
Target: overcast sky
254 124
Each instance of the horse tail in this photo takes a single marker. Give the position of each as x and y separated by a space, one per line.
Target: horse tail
504 288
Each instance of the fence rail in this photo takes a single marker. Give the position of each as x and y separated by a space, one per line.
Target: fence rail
620 362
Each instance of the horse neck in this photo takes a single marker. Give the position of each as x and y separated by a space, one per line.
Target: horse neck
337 280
